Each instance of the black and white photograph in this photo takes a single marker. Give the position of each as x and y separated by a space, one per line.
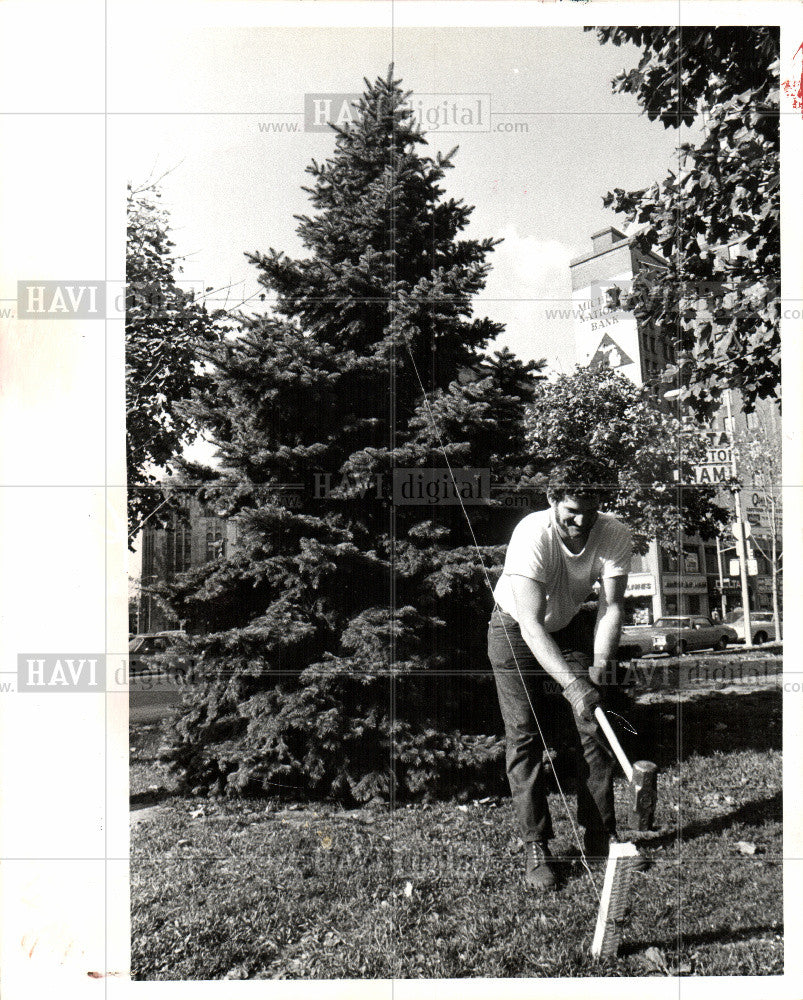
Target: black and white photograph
430 528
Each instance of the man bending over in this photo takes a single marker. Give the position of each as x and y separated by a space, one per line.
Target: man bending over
553 560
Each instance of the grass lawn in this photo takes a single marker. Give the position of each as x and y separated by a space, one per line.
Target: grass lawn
259 890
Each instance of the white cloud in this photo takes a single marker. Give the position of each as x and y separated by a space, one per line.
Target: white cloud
529 280
531 267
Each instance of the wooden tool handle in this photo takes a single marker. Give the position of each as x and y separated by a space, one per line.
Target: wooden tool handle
616 746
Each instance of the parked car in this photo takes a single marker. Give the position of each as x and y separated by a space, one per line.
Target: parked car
762 626
143 650
675 635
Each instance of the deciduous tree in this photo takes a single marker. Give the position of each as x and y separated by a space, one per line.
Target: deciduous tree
760 463
716 218
167 334
645 454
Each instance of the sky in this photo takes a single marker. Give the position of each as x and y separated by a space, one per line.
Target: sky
221 113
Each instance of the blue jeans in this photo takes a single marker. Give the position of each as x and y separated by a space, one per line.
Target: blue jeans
511 658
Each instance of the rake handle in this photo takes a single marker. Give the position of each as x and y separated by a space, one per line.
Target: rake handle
616 746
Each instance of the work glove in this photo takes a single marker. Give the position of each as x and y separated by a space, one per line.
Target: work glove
607 675
584 697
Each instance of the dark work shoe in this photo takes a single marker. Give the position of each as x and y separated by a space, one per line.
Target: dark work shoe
539 874
597 845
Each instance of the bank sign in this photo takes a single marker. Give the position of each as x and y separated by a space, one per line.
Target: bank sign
606 335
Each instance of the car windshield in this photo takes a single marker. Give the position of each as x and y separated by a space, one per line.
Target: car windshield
672 623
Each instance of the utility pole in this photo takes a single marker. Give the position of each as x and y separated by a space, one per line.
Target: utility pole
741 551
723 602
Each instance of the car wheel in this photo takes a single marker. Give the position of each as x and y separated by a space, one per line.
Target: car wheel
721 643
759 638
682 647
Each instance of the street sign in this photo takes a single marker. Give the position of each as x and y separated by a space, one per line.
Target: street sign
735 529
752 567
717 465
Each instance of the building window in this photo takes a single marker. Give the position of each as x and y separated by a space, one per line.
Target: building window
182 558
639 563
691 561
177 546
215 545
147 552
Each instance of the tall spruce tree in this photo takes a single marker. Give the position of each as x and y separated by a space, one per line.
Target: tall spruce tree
343 647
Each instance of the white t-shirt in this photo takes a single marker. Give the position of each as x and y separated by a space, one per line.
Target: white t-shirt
536 551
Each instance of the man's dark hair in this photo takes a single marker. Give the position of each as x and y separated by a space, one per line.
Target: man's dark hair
580 478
